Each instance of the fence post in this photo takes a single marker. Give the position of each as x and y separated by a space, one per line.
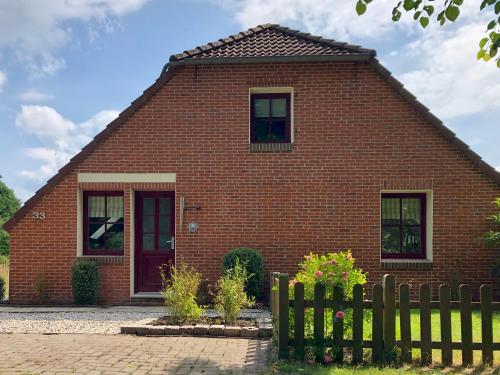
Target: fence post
405 322
377 324
486 324
466 324
319 318
299 313
283 316
445 318
357 324
389 285
338 324
425 325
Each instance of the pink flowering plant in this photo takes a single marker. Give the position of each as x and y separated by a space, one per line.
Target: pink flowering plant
328 269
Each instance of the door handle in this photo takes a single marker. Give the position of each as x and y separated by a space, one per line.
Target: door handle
172 243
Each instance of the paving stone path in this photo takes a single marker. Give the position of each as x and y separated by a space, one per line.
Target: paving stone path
120 354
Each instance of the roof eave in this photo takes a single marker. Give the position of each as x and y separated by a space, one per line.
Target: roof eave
272 59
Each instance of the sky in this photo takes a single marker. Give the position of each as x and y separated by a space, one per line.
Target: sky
68 67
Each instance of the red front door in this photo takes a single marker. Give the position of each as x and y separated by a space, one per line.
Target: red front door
154 237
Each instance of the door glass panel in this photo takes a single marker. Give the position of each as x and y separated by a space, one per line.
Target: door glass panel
148 241
114 209
165 204
165 242
148 224
411 211
278 107
390 240
390 211
96 208
165 224
148 206
411 240
261 107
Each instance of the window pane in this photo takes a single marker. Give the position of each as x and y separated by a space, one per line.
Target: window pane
278 131
114 209
390 211
95 208
411 240
148 206
390 240
148 242
114 240
411 211
148 224
261 108
165 224
261 130
278 107
97 236
165 242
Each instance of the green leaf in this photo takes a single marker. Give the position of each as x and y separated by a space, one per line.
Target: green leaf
360 8
483 4
408 4
424 21
483 42
452 12
443 20
367 1
416 15
429 9
458 2
497 7
486 57
480 54
498 63
396 15
493 52
491 25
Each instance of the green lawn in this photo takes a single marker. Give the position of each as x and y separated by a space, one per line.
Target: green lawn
293 367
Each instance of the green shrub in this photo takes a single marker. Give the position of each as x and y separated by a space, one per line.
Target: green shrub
330 269
251 259
85 283
2 288
180 287
231 296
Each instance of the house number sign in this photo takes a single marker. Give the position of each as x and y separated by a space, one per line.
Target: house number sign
38 215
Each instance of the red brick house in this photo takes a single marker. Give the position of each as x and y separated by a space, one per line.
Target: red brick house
272 139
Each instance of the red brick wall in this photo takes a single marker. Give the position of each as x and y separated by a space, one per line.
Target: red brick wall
353 133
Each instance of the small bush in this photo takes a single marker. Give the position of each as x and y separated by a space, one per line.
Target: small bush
180 287
2 288
251 259
85 283
231 296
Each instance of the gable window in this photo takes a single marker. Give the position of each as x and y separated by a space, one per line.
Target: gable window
270 118
403 225
103 223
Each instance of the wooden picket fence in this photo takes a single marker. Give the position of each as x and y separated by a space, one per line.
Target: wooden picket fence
383 306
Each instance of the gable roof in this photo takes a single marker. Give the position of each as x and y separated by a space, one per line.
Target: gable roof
261 44
272 41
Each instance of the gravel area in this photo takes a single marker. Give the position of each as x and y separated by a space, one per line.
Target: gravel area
97 321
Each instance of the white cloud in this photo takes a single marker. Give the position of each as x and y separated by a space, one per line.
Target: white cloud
336 18
61 138
36 29
34 96
3 79
448 77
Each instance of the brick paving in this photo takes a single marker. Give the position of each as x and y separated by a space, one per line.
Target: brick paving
120 354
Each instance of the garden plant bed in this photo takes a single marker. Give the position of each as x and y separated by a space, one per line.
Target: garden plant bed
203 326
